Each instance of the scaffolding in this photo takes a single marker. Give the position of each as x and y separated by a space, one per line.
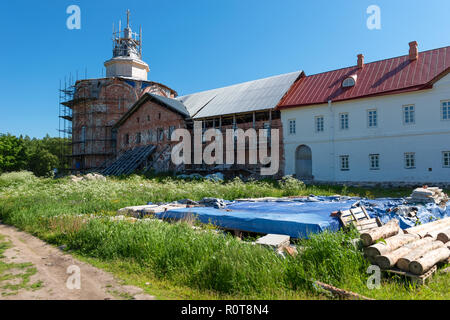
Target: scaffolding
86 121
65 93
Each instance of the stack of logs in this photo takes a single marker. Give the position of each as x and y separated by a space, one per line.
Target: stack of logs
415 250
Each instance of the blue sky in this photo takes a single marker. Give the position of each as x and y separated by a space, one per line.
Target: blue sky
196 45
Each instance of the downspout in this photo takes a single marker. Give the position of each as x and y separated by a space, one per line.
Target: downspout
333 148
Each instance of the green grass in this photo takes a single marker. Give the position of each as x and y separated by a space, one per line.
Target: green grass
174 261
15 276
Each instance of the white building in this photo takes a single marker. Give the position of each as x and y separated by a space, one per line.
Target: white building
386 121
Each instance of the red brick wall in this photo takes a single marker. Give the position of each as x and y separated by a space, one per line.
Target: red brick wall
98 105
149 121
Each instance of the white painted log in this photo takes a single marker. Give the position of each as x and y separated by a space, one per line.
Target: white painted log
427 261
390 229
403 262
390 244
389 259
444 236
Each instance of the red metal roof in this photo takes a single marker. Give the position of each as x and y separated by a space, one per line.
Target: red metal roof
377 78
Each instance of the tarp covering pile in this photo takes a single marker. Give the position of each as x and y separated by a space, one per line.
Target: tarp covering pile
299 217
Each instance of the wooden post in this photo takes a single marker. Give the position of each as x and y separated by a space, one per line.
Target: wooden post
403 262
389 260
444 236
431 258
390 229
422 230
390 244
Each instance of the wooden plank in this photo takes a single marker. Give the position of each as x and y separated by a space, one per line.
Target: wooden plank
419 279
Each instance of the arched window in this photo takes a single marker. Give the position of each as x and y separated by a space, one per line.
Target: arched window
349 82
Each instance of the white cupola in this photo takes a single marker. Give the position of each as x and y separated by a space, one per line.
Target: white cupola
127 54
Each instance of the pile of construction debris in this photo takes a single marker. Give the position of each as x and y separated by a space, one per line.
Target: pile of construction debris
88 177
428 195
151 209
413 252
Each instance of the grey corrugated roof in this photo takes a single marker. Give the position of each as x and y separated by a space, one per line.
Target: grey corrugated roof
249 96
172 103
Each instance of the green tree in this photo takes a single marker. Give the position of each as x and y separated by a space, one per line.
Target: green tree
12 153
41 162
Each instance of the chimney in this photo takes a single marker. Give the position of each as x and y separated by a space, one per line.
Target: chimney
413 51
360 61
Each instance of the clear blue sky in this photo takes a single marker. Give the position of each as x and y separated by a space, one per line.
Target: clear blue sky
196 45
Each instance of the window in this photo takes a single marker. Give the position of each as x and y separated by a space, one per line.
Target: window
148 118
446 159
160 134
344 163
408 114
83 134
150 135
343 121
410 160
171 130
127 139
292 128
374 161
137 119
372 118
445 110
138 138
319 124
267 130
349 82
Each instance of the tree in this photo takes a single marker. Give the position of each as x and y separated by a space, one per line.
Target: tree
41 162
12 153
41 156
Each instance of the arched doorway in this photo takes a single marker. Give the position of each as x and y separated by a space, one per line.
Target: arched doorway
303 163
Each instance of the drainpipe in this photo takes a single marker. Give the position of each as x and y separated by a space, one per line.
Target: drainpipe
333 151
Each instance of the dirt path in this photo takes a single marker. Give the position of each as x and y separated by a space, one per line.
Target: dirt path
32 269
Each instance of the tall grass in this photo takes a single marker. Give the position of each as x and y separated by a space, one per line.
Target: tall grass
78 215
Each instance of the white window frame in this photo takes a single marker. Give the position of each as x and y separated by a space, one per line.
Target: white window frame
369 119
447 108
344 121
348 82
445 158
344 162
371 161
292 127
413 154
407 112
322 124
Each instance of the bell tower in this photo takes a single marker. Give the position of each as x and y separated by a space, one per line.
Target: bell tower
127 54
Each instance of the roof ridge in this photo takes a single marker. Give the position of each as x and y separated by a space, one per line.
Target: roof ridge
241 83
376 61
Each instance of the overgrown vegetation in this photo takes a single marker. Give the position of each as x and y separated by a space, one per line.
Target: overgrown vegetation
202 262
40 156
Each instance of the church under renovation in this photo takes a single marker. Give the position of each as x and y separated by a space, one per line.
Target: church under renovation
385 121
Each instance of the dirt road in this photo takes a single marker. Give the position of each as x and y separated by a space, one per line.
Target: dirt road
32 269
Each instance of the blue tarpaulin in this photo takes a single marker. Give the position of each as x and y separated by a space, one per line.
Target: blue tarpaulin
300 217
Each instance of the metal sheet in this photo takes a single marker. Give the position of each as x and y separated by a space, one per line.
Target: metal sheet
249 96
